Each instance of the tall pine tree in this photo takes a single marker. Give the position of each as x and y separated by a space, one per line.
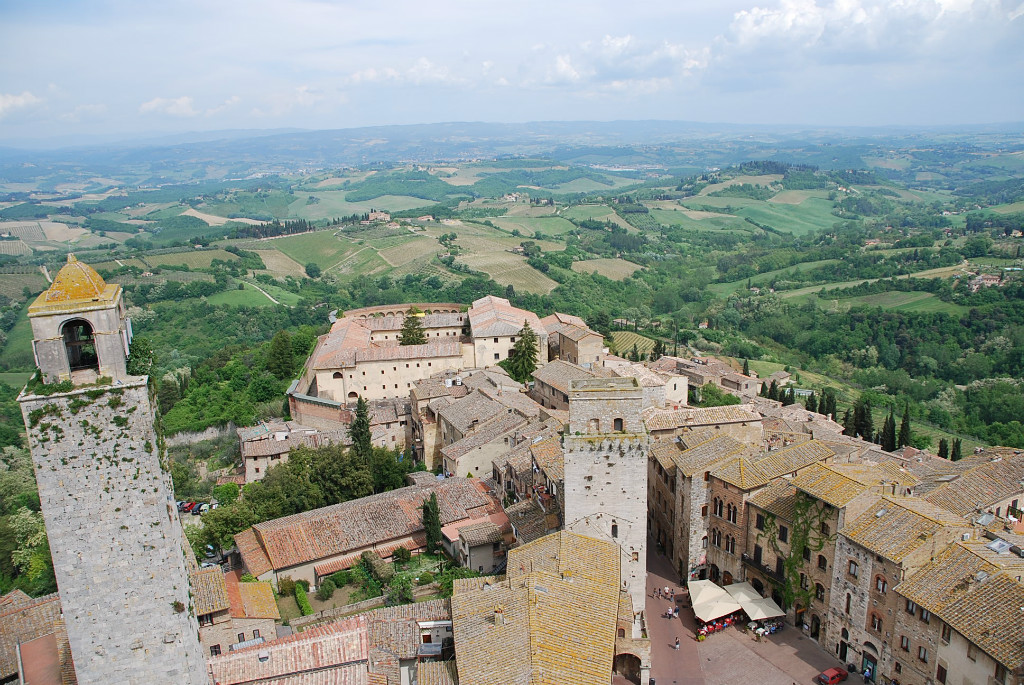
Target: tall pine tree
956 454
412 329
904 436
432 523
280 358
746 367
849 427
812 403
773 390
659 350
943 448
522 360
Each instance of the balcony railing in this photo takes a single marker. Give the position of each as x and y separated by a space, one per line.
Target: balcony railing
770 573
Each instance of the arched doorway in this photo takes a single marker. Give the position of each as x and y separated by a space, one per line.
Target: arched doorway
869 661
757 585
726 578
714 573
628 666
79 345
844 646
815 627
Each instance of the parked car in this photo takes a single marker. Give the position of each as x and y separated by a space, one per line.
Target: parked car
189 507
200 509
832 676
181 504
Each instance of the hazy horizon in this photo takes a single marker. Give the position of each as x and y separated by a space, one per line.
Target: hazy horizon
115 70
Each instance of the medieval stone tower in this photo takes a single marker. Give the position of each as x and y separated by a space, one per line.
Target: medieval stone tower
114 534
606 474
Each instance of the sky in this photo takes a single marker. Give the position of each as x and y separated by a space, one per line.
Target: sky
75 70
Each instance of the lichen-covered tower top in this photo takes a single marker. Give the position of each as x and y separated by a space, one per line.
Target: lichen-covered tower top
76 288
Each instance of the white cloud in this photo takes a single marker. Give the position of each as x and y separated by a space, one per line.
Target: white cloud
10 102
302 97
230 102
175 107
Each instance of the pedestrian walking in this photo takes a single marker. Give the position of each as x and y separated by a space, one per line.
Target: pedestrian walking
657 592
673 594
677 642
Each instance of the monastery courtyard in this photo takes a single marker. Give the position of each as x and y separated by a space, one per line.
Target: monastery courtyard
730 657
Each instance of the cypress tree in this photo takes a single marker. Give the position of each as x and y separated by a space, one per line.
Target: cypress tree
812 403
412 329
889 433
746 367
943 448
764 389
849 427
659 350
904 437
862 419
280 358
359 432
634 355
956 454
432 523
773 391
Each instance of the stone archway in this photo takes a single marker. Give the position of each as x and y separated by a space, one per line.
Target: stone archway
815 627
80 345
628 666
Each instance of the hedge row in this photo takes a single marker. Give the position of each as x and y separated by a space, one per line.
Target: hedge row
302 600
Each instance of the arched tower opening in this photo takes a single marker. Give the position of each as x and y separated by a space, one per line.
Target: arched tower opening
80 345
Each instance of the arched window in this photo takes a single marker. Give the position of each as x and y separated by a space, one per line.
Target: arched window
79 345
819 592
622 632
718 507
595 426
731 545
337 374
617 425
733 514
876 623
880 584
848 599
704 542
822 562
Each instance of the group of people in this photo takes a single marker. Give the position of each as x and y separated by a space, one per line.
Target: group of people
715 626
767 628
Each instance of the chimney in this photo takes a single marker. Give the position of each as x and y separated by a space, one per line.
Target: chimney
499 616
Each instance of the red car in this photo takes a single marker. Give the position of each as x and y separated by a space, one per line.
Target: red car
832 676
189 507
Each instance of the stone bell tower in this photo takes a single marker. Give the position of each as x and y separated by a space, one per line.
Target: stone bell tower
116 542
606 451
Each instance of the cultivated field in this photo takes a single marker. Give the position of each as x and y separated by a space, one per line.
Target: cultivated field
280 264
214 220
596 212
615 269
410 250
624 341
509 269
12 285
764 180
897 301
529 225
362 262
14 247
196 259
323 248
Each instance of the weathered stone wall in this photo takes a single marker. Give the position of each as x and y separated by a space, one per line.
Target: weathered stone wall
858 588
114 536
109 337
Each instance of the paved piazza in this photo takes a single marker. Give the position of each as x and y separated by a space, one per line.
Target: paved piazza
727 658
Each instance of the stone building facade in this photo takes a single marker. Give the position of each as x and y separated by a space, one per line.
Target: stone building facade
605 474
115 538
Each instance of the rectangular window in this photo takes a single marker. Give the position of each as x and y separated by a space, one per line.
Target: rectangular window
940 674
255 634
972 651
759 522
241 637
215 650
495 340
853 568
946 632
206 620
926 616
807 554
922 654
911 608
1000 673
704 510
497 355
783 534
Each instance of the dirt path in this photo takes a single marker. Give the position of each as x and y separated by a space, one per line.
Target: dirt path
269 297
46 273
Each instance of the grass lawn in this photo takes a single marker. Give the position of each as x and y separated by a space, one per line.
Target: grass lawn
250 297
17 353
721 222
332 203
15 379
529 225
280 294
195 259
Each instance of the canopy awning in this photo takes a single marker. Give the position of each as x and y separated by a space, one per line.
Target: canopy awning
754 605
710 601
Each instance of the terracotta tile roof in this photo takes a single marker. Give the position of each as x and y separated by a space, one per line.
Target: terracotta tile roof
558 373
527 518
483 533
557 320
349 342
520 402
828 484
550 457
436 673
209 593
250 600
343 675
708 453
253 555
495 316
895 527
343 528
952 574
754 471
778 498
670 419
472 410
428 321
577 333
982 485
21 619
435 348
559 604
413 543
489 432
644 376
396 629
991 618
341 645
665 452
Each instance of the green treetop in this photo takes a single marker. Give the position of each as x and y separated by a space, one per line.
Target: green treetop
359 431
281 358
432 523
412 329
